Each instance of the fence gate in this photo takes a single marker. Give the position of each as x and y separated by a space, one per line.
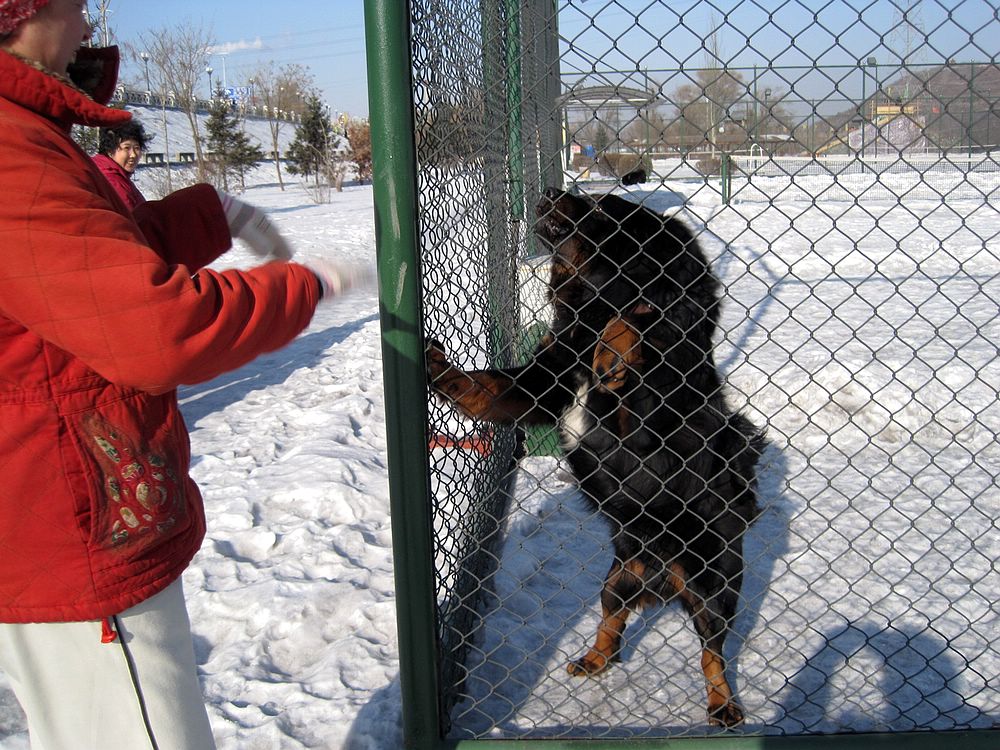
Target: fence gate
836 162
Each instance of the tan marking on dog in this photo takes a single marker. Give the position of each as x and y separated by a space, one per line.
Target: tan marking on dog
607 643
617 354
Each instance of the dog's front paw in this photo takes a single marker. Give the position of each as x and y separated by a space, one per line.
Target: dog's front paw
437 361
446 380
727 715
593 663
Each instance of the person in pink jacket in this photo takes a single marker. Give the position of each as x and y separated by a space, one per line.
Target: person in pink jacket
104 312
118 156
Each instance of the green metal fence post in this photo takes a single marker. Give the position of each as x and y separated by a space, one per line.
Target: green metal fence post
387 32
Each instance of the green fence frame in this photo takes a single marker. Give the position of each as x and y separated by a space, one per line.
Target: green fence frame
387 37
387 30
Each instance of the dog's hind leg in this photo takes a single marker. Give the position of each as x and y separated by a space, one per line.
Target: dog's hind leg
711 619
623 589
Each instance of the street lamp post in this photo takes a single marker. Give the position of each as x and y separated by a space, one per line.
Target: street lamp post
209 71
812 130
873 63
989 115
166 137
709 135
145 61
861 109
972 76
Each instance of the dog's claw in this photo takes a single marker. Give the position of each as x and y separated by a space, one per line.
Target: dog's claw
437 360
591 665
727 716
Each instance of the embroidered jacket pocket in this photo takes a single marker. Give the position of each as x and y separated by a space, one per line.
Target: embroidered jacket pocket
137 480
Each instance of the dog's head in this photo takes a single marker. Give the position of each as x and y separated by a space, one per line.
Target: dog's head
574 224
609 249
602 246
563 215
559 213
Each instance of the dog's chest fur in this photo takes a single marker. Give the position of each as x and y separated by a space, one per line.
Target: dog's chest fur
576 421
593 420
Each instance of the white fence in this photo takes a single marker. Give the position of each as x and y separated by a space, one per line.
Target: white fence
892 177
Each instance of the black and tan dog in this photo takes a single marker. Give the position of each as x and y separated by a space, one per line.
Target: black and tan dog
627 373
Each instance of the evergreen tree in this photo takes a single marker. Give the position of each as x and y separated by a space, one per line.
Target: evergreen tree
602 138
86 138
232 153
314 139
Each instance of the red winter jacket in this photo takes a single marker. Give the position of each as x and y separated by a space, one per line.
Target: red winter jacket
102 315
120 180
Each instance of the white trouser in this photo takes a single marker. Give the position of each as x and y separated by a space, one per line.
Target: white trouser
140 691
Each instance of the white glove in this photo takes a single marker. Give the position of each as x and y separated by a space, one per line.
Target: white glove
252 226
337 278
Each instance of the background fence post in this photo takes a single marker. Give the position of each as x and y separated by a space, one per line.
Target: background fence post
726 171
387 31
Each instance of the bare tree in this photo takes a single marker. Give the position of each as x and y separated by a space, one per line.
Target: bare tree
99 22
281 90
178 54
646 130
703 103
332 166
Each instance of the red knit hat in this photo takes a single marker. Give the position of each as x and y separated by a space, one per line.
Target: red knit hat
14 12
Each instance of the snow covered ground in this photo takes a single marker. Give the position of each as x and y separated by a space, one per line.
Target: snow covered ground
863 335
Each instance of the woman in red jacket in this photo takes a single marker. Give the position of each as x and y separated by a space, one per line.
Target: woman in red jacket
103 313
118 156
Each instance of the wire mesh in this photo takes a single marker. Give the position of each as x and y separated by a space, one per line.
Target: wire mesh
857 254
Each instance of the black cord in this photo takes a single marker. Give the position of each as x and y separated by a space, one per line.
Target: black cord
135 683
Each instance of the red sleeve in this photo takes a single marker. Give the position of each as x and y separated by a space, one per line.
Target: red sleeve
82 277
188 227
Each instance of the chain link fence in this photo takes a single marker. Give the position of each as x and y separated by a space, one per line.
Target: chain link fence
836 163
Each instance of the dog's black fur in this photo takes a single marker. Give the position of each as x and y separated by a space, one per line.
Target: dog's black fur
627 372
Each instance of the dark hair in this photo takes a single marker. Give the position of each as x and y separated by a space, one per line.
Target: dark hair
112 137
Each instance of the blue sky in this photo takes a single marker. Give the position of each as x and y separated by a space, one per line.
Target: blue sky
327 36
779 41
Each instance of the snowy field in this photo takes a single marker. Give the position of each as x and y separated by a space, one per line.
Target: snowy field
863 335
